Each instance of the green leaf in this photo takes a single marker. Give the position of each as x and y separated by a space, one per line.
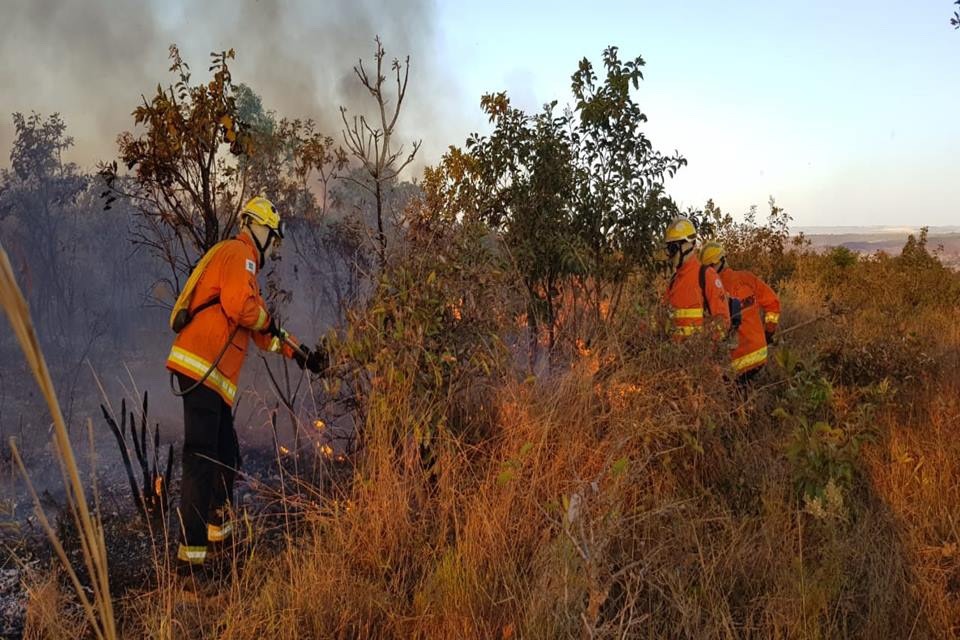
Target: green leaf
619 467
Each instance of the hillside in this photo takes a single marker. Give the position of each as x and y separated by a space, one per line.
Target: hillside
945 241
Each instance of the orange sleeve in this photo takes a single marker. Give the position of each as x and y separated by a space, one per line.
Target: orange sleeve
716 298
239 291
769 304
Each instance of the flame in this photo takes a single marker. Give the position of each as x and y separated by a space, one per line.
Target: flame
582 348
326 450
319 424
158 485
589 360
605 309
284 450
456 310
619 394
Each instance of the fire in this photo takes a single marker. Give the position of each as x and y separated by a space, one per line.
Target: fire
605 309
620 394
582 348
284 450
158 485
456 310
326 450
319 424
589 360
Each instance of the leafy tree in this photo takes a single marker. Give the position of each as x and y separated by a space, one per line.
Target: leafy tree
38 197
761 248
955 20
200 152
185 179
371 144
620 205
526 171
284 155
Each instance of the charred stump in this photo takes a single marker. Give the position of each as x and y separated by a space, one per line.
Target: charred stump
152 500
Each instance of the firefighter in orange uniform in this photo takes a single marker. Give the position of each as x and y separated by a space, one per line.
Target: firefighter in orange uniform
224 313
695 295
759 312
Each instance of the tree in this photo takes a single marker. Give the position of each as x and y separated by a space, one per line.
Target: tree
621 206
763 249
39 195
283 155
372 144
525 169
955 20
185 179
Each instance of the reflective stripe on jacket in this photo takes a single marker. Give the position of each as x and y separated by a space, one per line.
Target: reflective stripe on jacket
686 301
232 275
759 303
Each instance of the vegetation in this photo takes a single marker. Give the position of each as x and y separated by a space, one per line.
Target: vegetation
624 487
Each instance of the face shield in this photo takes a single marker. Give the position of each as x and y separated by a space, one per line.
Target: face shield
275 238
677 250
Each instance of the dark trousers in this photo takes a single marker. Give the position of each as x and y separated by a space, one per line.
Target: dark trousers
211 457
745 380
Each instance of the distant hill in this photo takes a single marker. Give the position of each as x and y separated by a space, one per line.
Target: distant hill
827 230
890 240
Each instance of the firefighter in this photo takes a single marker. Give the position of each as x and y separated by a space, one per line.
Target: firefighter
695 294
220 312
759 312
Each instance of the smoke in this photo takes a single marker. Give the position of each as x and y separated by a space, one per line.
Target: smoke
92 60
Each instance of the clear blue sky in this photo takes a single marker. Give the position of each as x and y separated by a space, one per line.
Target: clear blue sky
848 112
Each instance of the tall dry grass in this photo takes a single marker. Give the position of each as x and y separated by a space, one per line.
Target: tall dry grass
630 491
98 609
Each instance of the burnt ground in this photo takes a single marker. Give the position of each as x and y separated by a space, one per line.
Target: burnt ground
137 552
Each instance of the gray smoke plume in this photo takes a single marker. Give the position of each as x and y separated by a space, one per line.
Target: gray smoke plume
92 60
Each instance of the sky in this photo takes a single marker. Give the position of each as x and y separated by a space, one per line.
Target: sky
848 113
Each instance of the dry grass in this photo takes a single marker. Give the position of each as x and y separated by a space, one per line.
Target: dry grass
634 494
98 610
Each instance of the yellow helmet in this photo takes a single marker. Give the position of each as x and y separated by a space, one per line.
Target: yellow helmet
712 253
680 230
262 211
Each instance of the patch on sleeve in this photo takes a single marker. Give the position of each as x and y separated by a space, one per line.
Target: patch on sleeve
719 284
251 267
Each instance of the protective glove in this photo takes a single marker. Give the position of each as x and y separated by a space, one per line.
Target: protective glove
274 330
300 356
314 361
317 361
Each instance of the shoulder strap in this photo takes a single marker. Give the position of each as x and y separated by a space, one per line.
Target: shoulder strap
186 294
703 288
215 300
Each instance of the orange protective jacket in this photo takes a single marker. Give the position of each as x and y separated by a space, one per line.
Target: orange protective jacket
760 312
688 304
231 275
